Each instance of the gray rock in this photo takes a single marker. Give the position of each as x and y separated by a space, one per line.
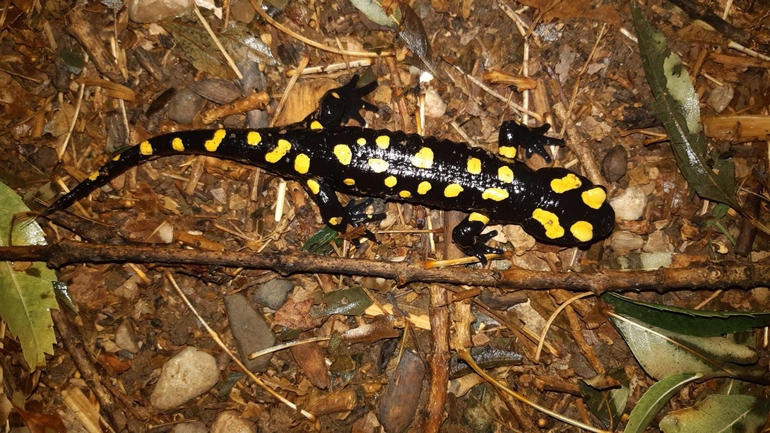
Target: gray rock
230 422
217 90
150 11
720 97
251 331
187 375
273 293
184 106
125 338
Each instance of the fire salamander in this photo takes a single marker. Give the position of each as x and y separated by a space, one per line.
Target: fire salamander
554 205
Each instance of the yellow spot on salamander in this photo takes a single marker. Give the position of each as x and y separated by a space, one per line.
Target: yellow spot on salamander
594 197
313 185
302 163
474 166
550 222
315 125
335 221
582 231
424 187
361 141
349 182
253 138
177 144
391 181
452 190
566 183
93 176
145 148
496 194
423 158
507 151
475 216
505 174
343 154
378 165
336 95
116 157
404 194
383 141
281 149
213 144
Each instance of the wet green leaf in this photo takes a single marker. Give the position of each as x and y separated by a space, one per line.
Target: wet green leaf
26 296
719 413
687 321
655 398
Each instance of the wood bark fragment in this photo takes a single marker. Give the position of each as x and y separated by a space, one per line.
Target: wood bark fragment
82 29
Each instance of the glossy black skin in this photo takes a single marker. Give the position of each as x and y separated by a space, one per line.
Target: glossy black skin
316 139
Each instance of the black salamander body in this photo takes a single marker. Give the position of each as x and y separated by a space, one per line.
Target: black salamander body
555 205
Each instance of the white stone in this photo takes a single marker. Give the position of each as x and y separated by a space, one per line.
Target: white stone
190 427
185 376
630 205
435 107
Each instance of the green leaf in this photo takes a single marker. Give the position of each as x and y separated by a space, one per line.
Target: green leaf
655 398
374 11
687 321
320 242
663 353
350 302
719 414
26 296
609 404
676 105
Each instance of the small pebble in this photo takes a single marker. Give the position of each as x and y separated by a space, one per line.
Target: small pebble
658 242
273 293
243 12
435 107
184 106
125 338
216 89
187 375
151 11
630 205
622 242
251 331
230 422
721 97
615 164
190 427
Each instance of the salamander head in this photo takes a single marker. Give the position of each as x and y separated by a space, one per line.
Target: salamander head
573 211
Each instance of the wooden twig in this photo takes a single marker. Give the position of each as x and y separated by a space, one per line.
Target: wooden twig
88 371
708 276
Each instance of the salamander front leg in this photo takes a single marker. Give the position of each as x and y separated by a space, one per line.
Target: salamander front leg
334 214
467 235
339 105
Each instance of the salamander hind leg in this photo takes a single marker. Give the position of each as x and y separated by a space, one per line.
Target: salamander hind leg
467 235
